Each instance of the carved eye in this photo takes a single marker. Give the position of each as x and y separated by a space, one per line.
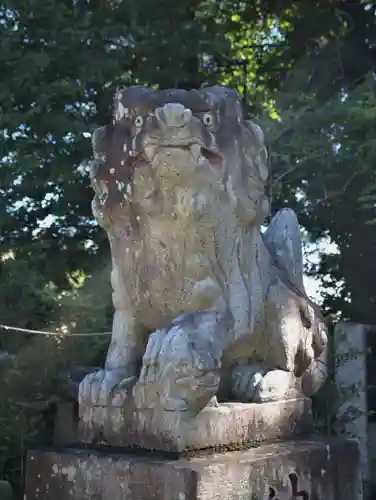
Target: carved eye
207 120
138 121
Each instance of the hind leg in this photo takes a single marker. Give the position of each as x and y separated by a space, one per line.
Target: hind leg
290 330
289 353
255 383
299 346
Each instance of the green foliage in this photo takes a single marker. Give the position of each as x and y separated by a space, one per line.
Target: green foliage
28 382
324 154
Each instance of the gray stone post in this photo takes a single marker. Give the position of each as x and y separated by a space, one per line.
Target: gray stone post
351 381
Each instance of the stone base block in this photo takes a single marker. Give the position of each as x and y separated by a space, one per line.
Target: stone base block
231 425
6 491
307 470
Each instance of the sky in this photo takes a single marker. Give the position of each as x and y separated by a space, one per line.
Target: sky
313 285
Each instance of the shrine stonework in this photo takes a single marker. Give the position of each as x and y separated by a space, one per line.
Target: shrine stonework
206 307
301 470
215 345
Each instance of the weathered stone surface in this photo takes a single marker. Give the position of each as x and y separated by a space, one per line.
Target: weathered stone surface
228 425
179 180
309 470
351 381
6 491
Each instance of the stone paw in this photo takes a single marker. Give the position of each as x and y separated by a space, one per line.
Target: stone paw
275 385
105 388
245 380
256 384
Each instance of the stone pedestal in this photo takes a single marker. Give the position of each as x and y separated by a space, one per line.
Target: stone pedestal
6 491
310 470
230 425
223 453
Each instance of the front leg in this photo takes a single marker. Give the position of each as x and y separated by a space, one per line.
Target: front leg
127 345
103 394
110 386
127 342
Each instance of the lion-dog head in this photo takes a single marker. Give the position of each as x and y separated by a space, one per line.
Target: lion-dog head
172 141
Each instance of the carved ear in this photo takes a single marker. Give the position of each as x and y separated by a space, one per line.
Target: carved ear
256 131
261 160
100 141
262 165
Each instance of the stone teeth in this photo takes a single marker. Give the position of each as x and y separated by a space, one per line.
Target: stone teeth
104 187
195 150
154 162
120 185
150 152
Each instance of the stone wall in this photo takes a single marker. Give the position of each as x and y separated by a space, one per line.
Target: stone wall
354 376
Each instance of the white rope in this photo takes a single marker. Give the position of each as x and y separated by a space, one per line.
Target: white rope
40 332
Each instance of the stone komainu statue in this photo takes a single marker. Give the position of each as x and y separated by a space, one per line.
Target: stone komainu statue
205 304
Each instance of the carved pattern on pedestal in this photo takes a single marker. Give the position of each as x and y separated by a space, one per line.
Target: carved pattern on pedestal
296 489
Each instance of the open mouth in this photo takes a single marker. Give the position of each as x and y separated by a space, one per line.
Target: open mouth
198 153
